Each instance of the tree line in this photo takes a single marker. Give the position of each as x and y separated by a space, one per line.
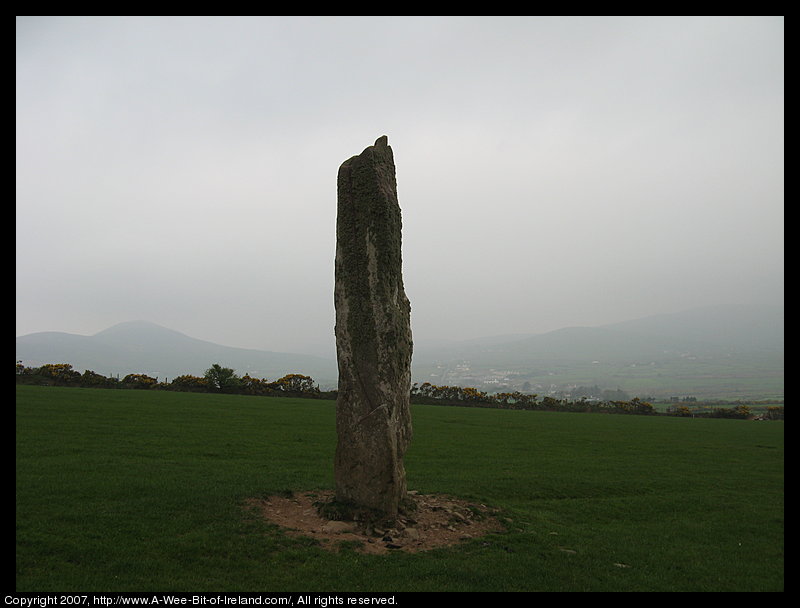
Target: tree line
457 395
516 400
219 379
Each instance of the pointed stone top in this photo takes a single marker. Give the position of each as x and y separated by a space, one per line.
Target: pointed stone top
382 141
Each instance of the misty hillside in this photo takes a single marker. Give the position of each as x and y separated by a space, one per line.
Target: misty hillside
706 351
147 348
743 328
720 352
703 331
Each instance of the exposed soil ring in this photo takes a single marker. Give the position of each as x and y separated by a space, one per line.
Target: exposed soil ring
437 521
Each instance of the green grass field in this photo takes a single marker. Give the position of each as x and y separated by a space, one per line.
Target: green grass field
124 490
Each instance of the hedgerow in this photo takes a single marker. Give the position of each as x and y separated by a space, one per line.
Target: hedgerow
299 385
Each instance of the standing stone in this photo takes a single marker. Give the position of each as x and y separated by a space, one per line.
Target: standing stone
373 335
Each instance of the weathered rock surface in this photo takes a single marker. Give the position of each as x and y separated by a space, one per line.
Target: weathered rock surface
373 335
337 527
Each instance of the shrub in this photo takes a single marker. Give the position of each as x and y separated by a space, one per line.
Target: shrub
222 379
189 383
774 412
296 383
91 379
59 373
139 381
254 386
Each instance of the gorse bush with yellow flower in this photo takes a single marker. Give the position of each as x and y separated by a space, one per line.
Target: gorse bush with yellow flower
216 379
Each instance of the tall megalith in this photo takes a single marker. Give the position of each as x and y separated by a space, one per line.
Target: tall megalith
373 335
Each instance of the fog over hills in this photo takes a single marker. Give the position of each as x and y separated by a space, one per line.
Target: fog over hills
716 352
717 330
732 342
147 348
527 204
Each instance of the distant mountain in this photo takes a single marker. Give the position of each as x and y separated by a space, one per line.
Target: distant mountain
711 351
739 327
700 331
147 348
722 352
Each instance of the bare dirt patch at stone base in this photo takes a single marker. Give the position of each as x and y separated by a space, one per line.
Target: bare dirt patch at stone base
437 521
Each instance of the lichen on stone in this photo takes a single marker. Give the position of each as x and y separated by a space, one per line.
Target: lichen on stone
373 333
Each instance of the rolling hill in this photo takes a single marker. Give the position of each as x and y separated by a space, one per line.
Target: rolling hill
700 331
147 348
715 352
731 351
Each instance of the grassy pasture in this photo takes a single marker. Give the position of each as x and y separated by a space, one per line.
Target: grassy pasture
123 490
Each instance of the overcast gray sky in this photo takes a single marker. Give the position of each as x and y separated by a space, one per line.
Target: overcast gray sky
552 171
